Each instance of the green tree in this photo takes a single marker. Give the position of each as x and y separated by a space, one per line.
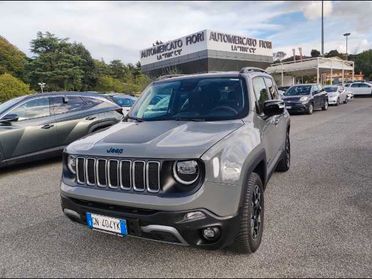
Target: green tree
315 53
11 87
12 60
335 53
363 63
60 64
109 84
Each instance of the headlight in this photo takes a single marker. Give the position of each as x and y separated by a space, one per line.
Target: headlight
71 163
304 99
186 172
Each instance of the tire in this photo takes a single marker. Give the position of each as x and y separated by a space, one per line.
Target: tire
285 162
310 109
345 101
325 107
338 102
251 217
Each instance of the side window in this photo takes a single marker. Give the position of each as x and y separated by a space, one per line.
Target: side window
364 85
57 106
74 103
272 88
91 102
261 93
35 108
355 85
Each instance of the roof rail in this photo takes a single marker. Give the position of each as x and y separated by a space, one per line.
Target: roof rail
169 76
251 69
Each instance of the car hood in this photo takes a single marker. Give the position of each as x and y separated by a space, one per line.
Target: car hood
155 139
292 98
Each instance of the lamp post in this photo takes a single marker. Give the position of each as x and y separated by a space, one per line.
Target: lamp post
346 36
322 29
42 85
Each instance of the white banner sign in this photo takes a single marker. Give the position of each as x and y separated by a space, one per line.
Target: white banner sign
203 40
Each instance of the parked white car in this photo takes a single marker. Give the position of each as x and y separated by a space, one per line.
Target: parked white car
360 88
336 94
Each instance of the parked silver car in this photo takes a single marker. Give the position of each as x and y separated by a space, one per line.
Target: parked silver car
360 88
336 94
189 166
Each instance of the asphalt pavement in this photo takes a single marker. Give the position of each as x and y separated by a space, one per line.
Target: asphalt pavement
318 218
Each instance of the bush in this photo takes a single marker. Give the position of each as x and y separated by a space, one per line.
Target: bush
11 87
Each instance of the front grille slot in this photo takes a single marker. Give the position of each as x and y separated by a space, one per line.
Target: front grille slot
113 171
119 174
101 172
125 175
139 175
91 171
80 172
153 176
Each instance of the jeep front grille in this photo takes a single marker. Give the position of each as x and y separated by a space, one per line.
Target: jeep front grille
119 174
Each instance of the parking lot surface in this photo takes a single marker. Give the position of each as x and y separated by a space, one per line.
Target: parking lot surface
318 218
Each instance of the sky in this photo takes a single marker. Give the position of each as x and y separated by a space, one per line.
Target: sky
119 30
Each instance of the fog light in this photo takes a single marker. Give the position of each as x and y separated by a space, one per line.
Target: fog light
211 233
196 215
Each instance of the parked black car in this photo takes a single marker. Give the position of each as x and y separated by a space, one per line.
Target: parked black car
305 98
41 125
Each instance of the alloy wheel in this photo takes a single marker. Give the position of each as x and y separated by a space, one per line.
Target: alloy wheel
256 212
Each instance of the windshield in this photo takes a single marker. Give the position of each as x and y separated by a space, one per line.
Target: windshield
6 105
298 90
330 89
122 101
193 99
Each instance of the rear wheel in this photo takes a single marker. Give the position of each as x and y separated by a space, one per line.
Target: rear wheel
251 217
310 109
285 162
325 106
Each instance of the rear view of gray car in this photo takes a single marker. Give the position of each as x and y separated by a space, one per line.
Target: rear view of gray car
41 125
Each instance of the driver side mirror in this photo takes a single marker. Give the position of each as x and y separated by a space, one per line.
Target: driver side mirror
9 118
273 107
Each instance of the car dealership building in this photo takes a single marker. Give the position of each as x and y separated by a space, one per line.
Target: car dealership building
206 51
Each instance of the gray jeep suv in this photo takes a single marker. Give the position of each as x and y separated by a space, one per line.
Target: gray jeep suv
190 168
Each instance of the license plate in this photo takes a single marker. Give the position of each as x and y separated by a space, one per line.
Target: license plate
288 107
107 224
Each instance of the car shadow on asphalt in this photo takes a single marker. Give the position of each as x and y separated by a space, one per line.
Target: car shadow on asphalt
29 165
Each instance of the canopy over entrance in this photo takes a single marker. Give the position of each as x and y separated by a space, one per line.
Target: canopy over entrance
318 67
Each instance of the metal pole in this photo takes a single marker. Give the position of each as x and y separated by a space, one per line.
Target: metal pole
322 29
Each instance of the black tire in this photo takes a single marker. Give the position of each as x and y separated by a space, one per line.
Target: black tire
310 109
325 106
251 217
285 162
346 100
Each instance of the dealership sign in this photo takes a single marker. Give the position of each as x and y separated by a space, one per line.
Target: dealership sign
204 40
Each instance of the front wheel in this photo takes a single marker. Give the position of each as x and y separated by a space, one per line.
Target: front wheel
325 107
251 217
285 161
310 109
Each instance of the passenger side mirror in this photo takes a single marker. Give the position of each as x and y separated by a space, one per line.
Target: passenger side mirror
273 107
12 117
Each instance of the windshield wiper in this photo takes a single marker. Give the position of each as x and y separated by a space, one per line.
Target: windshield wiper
135 118
188 119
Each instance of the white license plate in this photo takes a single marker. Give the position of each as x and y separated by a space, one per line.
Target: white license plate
108 224
288 107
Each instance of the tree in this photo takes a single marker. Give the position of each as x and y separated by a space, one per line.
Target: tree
11 87
12 60
363 63
335 53
315 53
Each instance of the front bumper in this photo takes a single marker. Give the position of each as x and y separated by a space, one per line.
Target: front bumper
297 107
332 101
164 226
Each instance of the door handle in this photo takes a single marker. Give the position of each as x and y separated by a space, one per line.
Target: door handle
47 126
91 117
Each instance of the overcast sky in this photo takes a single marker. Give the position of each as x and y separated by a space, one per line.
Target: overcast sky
118 30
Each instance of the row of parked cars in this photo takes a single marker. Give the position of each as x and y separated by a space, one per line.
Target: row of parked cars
305 98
